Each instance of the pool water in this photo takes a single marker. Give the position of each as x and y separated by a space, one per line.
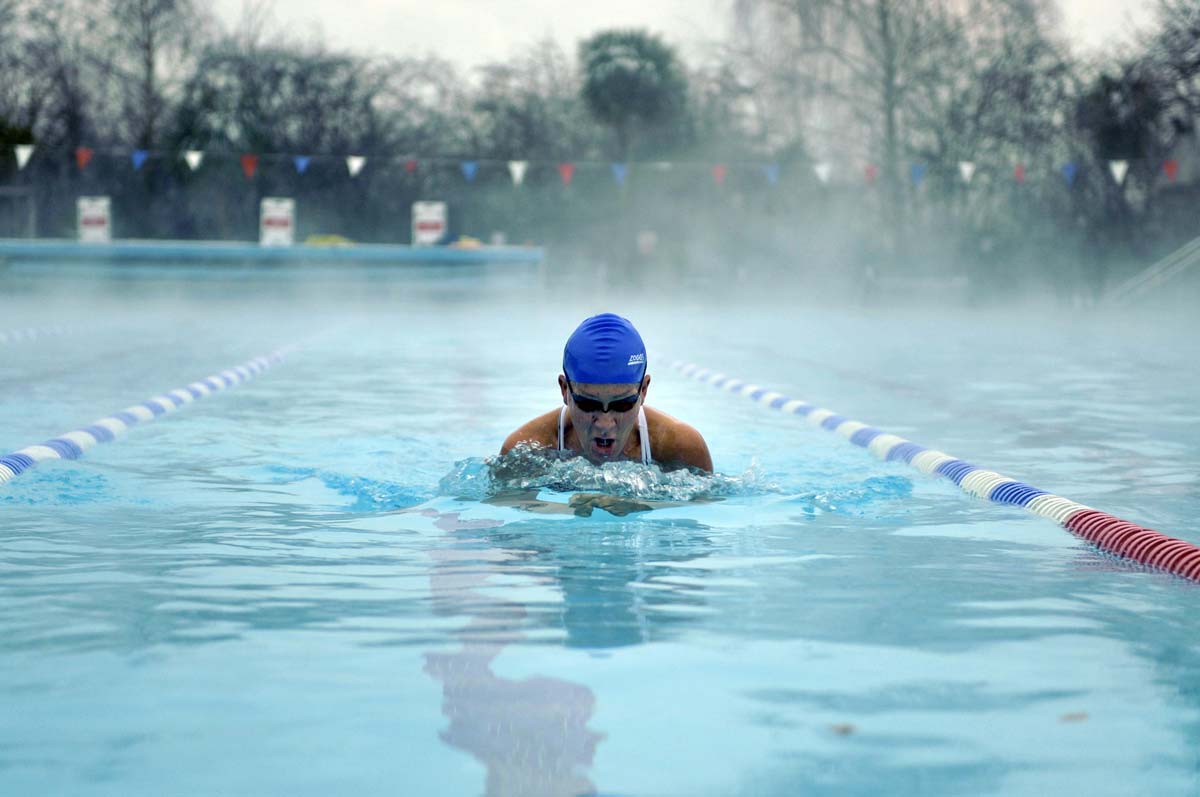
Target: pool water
294 587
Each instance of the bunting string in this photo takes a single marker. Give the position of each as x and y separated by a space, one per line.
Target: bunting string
825 172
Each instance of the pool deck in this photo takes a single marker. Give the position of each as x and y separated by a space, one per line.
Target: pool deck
242 252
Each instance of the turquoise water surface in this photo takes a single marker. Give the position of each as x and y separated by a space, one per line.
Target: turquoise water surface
293 587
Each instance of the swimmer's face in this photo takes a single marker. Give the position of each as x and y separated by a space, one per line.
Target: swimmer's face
604 416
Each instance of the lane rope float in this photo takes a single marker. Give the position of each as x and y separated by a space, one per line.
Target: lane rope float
1111 534
31 333
71 445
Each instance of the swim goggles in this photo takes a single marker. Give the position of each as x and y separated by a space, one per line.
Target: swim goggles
615 405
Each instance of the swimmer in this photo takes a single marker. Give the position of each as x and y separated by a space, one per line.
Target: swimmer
604 417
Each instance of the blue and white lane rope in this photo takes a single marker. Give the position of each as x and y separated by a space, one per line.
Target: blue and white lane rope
72 444
30 333
1109 533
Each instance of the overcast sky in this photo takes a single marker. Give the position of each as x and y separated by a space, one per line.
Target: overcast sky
471 32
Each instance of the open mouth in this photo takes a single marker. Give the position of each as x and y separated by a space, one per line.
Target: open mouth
604 445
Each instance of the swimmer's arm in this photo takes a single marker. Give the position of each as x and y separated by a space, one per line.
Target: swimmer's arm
687 449
527 500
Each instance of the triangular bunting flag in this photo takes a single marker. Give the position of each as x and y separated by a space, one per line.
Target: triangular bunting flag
1118 169
916 173
354 164
249 165
871 172
1069 170
301 163
516 170
138 157
566 171
83 156
1019 172
718 173
966 170
1170 168
410 165
772 172
194 158
824 171
24 152
468 169
618 172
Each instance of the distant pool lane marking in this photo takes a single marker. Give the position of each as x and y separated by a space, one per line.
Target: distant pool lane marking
1109 533
71 445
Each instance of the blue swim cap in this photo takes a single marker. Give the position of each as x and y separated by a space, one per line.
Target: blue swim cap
605 350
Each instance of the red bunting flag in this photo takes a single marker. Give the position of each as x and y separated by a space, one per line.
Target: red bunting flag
1019 173
718 172
83 156
1171 168
871 172
566 171
410 165
249 165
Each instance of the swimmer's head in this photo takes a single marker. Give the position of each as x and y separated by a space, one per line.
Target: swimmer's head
605 350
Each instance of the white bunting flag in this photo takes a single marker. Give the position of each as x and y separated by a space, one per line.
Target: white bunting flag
24 152
1118 169
517 170
824 171
967 170
193 157
354 164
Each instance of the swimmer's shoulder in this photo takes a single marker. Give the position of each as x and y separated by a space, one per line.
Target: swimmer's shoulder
675 443
542 430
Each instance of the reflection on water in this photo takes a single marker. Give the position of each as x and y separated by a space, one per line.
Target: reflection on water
531 733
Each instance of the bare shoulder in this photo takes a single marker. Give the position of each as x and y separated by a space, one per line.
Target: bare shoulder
675 443
542 430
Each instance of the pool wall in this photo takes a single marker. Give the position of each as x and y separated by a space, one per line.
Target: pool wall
244 252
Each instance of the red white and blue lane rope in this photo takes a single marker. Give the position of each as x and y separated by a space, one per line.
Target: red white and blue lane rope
1109 533
72 444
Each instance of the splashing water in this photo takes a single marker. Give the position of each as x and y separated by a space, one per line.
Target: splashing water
530 467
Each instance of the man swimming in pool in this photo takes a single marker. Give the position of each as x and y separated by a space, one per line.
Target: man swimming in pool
604 417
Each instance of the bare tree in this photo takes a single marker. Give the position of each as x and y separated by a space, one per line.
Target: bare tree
67 75
886 81
280 99
531 106
153 42
1173 53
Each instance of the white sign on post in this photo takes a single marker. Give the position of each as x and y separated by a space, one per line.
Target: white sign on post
428 223
277 221
94 220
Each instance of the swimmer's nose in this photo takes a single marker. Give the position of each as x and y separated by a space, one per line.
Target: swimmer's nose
604 422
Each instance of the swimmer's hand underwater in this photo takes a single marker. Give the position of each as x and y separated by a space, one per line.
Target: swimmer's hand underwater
584 503
580 504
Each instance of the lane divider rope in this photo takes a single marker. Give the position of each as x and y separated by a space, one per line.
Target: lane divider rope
71 445
31 333
1109 533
